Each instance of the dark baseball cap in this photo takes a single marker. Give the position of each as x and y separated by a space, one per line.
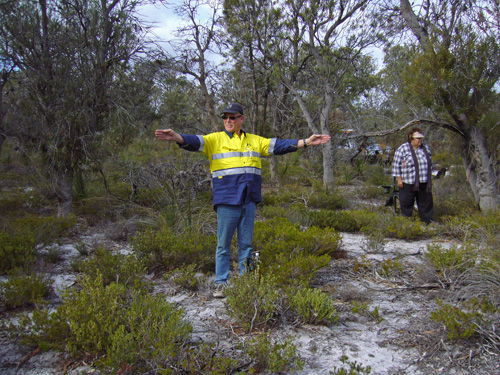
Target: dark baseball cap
233 108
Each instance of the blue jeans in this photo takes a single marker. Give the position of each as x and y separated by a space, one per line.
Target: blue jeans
231 218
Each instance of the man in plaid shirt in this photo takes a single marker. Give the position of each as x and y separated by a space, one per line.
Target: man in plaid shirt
412 166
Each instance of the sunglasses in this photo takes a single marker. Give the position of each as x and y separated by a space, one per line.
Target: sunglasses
230 117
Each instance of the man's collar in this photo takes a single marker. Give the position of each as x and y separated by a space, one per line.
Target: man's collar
230 135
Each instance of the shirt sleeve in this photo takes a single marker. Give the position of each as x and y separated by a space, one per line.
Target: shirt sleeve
192 142
283 146
397 162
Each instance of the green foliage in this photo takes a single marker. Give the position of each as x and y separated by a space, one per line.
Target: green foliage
391 268
43 229
254 301
292 255
462 322
186 277
295 213
262 301
168 249
54 255
406 229
117 268
354 368
313 306
343 221
451 262
279 235
328 200
273 356
16 250
17 199
362 308
25 289
293 269
150 336
123 327
308 197
20 236
207 359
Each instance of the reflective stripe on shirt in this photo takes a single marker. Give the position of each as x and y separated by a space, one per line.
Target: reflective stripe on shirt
234 171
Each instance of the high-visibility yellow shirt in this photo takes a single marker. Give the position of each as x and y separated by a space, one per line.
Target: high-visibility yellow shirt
236 164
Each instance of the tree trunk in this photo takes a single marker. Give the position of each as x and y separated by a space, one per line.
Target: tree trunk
65 192
328 165
486 178
273 170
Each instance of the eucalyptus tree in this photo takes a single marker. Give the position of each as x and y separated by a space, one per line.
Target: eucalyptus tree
7 68
197 49
249 24
315 49
69 53
455 73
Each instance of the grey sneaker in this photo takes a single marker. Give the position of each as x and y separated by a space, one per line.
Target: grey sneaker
219 290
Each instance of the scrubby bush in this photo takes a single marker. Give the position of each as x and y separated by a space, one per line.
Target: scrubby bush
362 308
261 301
296 213
307 197
279 235
44 229
292 255
273 356
404 228
313 306
17 249
166 249
343 221
117 268
255 301
186 277
123 327
25 289
293 269
354 368
451 262
328 201
462 322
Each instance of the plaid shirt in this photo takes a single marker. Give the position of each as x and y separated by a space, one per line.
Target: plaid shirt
403 165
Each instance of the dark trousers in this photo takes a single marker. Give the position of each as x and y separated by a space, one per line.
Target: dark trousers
407 198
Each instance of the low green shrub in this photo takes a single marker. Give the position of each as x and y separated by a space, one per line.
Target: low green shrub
291 255
354 368
44 229
25 289
462 322
125 328
167 249
294 270
117 268
391 268
17 249
307 197
450 263
255 301
327 200
261 301
185 277
273 356
362 308
280 236
295 213
343 221
405 229
152 336
313 306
